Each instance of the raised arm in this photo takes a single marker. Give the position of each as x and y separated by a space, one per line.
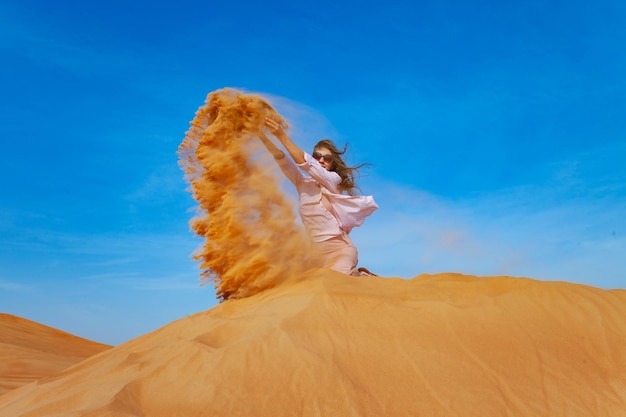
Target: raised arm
273 149
294 150
288 168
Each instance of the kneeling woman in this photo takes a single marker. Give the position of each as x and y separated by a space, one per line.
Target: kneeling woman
327 204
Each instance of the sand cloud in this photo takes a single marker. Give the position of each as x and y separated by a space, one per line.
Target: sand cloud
252 239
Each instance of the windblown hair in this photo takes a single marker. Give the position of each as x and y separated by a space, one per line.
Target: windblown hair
347 174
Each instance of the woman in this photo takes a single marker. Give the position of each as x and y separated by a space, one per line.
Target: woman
327 204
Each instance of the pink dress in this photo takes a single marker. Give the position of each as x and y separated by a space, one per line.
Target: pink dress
327 215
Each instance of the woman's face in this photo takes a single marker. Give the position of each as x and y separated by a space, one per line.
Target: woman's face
324 156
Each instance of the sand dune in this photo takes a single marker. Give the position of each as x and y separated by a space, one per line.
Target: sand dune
30 351
332 345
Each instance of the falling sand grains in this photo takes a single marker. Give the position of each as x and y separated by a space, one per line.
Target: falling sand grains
252 240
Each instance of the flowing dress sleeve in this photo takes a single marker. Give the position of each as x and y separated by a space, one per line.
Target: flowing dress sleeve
291 171
327 179
350 211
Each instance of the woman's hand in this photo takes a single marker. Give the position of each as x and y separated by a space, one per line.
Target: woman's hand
273 126
277 130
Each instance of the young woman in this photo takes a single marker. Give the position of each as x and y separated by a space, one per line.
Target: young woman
327 204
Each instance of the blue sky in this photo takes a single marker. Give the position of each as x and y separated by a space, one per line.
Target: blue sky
496 131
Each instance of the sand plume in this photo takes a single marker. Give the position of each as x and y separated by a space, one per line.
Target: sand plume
331 345
252 239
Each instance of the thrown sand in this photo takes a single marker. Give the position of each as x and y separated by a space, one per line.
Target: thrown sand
333 345
30 351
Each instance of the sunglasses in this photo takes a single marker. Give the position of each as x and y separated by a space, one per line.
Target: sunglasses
327 157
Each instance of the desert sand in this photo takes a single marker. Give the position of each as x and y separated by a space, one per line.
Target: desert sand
292 339
327 344
30 351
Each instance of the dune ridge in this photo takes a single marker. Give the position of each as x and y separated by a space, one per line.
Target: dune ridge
291 339
332 345
30 351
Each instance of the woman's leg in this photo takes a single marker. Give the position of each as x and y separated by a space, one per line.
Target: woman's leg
338 254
